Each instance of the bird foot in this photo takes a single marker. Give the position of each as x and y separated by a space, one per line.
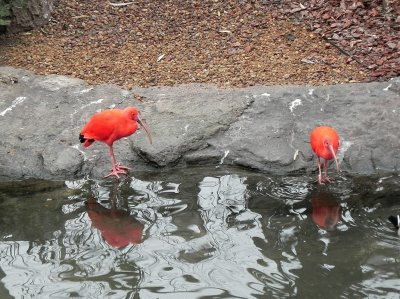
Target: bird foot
121 167
117 171
324 179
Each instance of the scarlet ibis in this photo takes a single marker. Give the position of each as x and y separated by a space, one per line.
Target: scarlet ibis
325 211
325 143
396 222
110 125
117 226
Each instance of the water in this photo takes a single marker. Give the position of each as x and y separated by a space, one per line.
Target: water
200 233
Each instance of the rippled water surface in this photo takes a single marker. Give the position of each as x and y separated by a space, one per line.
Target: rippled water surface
200 233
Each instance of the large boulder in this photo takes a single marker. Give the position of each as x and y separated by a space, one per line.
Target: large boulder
261 128
26 15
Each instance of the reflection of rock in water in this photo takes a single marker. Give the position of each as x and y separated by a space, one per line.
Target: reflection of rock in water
220 259
117 227
325 210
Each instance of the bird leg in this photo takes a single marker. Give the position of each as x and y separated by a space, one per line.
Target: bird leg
323 179
116 167
326 178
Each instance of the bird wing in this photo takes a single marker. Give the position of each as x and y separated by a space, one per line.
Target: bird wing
102 125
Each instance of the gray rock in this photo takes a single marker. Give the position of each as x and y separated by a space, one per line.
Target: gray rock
262 128
27 15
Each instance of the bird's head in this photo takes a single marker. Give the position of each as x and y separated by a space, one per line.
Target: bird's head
133 114
327 143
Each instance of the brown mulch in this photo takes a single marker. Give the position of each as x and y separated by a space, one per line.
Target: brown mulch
229 43
366 31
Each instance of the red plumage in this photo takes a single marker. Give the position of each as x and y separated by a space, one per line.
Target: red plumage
117 227
110 125
326 211
325 143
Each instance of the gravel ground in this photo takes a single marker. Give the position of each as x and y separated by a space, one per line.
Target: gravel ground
228 43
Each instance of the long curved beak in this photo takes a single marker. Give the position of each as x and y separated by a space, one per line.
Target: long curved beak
334 156
146 129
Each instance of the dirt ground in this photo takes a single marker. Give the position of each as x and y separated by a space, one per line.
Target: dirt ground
230 43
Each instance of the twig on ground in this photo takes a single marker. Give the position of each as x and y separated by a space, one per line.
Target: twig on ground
346 53
121 4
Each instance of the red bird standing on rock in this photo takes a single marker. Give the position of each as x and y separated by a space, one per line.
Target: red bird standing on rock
110 125
325 144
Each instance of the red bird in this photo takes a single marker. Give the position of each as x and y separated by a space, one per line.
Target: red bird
110 125
117 227
325 143
325 211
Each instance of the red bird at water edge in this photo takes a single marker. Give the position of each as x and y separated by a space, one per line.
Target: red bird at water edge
110 125
325 143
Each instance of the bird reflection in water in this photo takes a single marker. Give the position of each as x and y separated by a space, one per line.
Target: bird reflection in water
325 210
116 225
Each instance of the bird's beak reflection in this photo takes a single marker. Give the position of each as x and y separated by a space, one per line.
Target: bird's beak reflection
146 129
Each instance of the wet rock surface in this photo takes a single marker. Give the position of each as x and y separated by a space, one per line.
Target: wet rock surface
265 128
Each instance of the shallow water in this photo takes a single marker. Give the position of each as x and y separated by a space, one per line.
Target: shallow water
200 233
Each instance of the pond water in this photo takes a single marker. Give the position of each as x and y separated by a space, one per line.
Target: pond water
200 233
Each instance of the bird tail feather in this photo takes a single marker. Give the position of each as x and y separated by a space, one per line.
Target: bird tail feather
86 142
395 221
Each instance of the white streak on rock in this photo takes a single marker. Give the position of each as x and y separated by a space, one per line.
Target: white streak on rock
296 153
96 102
85 90
99 101
265 94
387 88
14 103
294 104
224 156
384 178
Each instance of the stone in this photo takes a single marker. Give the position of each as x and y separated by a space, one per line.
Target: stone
27 15
262 128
